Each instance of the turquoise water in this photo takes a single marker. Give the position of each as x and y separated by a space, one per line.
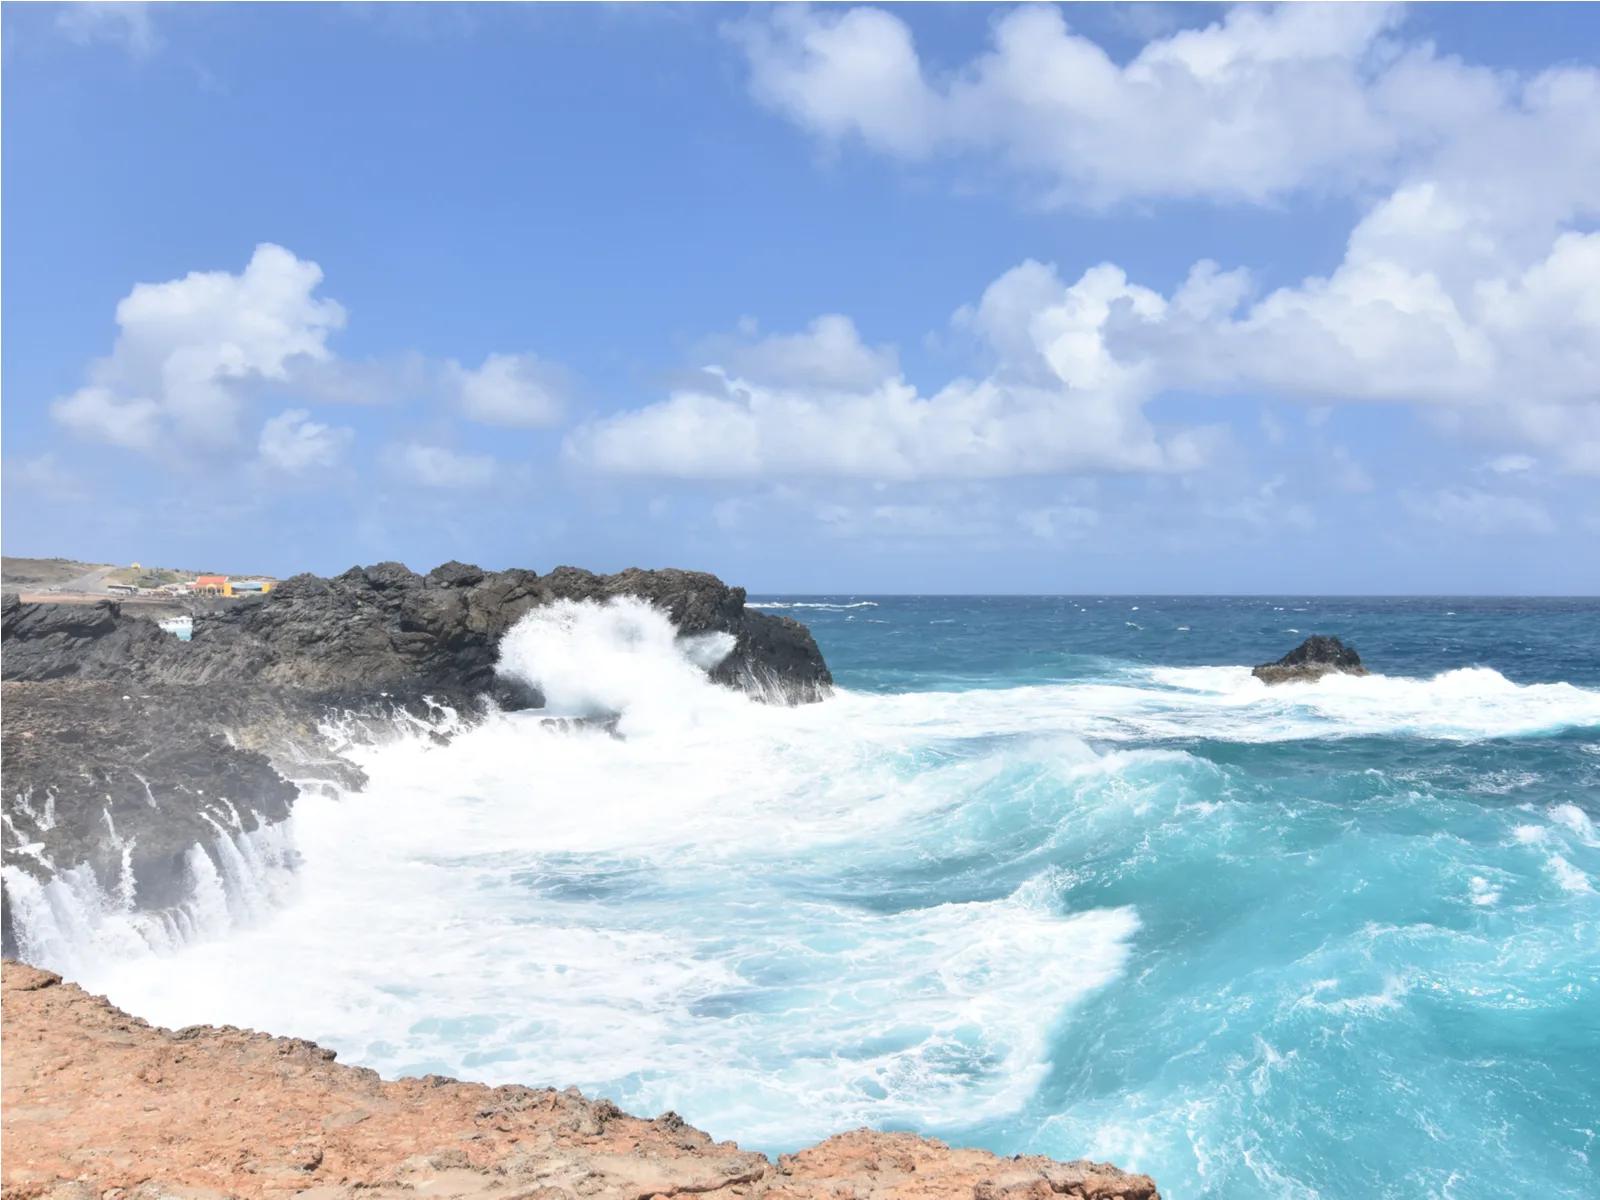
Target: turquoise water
1048 875
1367 964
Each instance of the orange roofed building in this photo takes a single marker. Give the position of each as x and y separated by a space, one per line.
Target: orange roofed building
212 585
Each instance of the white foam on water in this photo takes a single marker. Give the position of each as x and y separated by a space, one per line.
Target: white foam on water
638 915
1576 820
1228 702
74 924
1568 876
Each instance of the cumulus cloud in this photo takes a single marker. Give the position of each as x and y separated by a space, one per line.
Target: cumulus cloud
1404 318
1471 286
294 443
1257 104
193 356
1057 401
1436 303
829 353
98 412
190 349
514 390
436 467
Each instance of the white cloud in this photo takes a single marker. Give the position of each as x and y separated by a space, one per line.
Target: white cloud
1437 303
193 355
292 442
1481 512
98 412
516 390
125 23
1263 102
190 348
1057 402
1472 285
437 467
1404 319
828 354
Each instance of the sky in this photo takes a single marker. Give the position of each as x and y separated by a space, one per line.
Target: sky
830 299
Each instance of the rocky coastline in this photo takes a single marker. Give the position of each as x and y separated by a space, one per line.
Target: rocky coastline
99 1105
127 752
124 748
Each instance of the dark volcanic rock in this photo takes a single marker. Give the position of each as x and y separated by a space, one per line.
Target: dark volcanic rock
128 783
61 641
386 632
1310 661
124 747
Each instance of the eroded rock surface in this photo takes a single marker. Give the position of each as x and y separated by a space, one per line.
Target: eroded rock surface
102 1106
1311 660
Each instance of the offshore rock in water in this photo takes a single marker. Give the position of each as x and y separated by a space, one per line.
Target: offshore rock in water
1311 660
295 1121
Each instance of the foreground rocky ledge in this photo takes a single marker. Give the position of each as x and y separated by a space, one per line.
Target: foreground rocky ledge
102 1106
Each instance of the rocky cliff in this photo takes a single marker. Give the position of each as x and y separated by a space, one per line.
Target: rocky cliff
385 631
99 1105
124 747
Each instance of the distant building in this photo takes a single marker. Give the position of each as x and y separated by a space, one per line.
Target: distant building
211 585
252 586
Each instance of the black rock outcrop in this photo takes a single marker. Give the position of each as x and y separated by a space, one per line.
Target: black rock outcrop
385 631
124 747
1311 660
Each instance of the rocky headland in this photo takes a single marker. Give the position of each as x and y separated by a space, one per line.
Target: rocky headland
124 748
1310 661
99 1105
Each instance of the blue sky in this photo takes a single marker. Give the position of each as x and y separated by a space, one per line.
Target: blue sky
911 299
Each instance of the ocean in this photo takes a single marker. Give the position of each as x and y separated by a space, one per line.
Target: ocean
1047 875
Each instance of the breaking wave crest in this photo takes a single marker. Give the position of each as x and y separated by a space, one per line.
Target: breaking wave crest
620 658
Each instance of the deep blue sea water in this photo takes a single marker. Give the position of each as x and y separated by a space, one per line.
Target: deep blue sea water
1048 875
